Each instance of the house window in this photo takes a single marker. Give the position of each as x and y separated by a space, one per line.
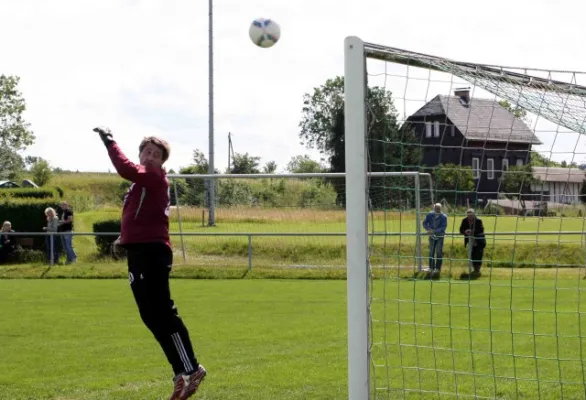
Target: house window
505 164
519 162
490 168
428 129
453 131
476 167
436 129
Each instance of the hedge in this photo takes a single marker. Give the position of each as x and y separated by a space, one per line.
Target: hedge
27 215
104 242
34 193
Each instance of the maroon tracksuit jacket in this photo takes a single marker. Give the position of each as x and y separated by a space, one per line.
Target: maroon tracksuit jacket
145 214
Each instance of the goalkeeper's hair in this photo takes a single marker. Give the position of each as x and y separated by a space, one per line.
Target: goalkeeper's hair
160 143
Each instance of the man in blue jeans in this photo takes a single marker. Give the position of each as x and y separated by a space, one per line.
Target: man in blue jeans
435 224
66 227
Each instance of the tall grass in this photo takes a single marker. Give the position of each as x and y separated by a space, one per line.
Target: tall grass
87 191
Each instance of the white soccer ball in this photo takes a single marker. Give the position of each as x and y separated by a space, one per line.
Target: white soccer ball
264 32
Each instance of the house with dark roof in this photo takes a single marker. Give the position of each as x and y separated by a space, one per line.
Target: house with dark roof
473 132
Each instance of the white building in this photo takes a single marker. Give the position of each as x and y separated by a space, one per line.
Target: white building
559 185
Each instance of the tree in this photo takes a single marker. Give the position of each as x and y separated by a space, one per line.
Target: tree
15 133
270 167
192 191
245 164
516 111
41 171
453 182
303 164
11 165
538 160
518 180
391 147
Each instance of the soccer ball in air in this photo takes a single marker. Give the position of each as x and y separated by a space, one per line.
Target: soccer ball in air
264 32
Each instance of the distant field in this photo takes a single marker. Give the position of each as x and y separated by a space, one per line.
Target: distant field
98 196
208 249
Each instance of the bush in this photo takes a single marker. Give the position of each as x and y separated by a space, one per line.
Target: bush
27 215
22 256
104 242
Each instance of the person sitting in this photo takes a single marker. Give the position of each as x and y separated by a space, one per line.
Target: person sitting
473 230
7 242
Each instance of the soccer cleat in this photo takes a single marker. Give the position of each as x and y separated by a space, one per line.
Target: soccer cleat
178 388
193 382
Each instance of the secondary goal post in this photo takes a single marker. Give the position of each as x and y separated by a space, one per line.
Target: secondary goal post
500 313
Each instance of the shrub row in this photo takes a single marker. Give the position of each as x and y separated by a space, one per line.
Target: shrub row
104 242
31 193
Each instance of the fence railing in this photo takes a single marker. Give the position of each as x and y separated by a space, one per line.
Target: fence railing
251 235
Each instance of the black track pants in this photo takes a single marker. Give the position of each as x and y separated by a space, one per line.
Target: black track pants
149 266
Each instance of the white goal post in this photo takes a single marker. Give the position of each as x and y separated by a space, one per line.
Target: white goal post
357 209
356 219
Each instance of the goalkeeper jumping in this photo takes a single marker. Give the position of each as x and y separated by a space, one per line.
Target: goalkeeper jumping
145 236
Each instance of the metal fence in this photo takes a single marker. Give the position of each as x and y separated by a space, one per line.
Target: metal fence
250 236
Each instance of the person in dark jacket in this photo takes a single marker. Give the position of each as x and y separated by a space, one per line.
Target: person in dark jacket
145 236
473 230
7 242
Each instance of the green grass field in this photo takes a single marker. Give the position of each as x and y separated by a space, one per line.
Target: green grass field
286 339
279 331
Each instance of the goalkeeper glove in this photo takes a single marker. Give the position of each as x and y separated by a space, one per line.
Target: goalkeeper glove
105 135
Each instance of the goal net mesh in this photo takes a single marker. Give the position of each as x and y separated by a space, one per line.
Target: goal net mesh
508 144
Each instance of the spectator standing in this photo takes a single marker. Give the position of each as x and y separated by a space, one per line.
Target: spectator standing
51 242
473 230
66 229
435 223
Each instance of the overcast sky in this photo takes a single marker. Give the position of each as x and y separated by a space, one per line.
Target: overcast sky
141 66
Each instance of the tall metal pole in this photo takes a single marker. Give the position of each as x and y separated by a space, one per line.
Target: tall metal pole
211 182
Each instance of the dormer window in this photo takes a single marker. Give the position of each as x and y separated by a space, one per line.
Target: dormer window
436 129
428 129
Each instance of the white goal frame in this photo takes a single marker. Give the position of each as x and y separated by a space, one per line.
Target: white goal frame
357 208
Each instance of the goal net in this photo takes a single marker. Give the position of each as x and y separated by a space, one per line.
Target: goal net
498 315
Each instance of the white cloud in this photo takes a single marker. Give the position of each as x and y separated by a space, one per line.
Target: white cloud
141 66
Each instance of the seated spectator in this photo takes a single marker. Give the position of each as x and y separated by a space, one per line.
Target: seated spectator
7 242
52 241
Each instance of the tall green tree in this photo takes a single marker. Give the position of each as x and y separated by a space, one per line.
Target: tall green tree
11 165
245 164
303 164
516 111
41 171
453 182
191 191
15 132
270 167
391 146
517 180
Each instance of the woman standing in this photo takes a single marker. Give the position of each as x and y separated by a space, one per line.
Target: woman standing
51 240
